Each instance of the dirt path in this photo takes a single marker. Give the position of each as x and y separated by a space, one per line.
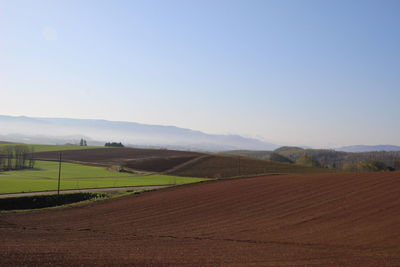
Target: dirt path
186 164
105 190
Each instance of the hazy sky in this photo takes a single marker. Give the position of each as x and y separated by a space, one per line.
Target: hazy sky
318 73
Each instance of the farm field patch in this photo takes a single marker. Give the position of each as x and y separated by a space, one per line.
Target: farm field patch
339 219
75 176
48 148
110 155
152 160
182 163
221 166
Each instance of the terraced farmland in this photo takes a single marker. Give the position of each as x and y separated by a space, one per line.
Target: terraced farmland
288 220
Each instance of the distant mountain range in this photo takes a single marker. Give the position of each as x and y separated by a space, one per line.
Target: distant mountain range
362 148
97 132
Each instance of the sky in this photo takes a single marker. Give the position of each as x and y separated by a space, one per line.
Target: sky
303 72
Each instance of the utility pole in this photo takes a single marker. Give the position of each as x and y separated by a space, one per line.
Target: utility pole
59 176
239 166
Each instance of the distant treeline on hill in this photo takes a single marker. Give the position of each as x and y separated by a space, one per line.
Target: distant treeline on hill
331 159
114 144
16 157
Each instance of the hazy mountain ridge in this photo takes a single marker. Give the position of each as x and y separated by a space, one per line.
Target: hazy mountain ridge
365 148
66 130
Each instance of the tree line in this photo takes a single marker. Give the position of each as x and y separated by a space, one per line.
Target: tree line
16 157
360 161
114 144
330 159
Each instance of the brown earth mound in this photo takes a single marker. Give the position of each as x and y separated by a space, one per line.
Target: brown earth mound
285 220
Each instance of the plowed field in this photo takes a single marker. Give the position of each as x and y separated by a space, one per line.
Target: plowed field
292 220
221 166
174 162
156 160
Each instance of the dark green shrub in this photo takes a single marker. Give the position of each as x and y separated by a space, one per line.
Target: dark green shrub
44 201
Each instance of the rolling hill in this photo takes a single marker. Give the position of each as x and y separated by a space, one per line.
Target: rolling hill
263 154
222 166
175 162
154 160
286 220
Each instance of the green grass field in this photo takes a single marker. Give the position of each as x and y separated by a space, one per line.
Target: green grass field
75 176
45 148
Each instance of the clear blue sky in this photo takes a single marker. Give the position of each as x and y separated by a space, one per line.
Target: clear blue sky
318 73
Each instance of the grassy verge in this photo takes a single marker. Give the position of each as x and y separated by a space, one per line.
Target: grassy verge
18 204
75 176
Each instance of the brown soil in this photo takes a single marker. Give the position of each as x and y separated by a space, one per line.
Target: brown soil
221 166
181 163
287 220
157 164
155 160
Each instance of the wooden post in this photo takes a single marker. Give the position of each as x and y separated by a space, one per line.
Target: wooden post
240 172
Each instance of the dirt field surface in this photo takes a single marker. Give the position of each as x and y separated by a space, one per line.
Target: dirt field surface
156 160
181 163
222 166
285 220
